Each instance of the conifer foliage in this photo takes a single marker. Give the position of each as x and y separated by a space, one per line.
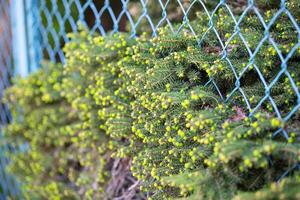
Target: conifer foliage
41 134
176 116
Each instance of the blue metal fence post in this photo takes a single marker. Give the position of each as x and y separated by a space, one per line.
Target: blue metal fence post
33 34
20 50
26 49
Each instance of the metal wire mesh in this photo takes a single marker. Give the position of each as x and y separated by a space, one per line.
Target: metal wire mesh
5 57
56 18
48 23
8 185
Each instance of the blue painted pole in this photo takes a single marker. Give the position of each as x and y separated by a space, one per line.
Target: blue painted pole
32 16
20 47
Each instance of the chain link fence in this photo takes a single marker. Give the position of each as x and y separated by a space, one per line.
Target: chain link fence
48 23
8 185
56 18
5 74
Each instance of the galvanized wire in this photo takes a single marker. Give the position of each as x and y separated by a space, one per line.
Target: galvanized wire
8 185
52 23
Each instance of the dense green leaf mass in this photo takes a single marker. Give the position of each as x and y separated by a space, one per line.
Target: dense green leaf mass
42 130
195 145
163 118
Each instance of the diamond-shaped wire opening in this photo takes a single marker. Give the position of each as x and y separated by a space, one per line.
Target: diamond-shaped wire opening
73 17
69 16
68 28
175 10
123 20
250 30
144 21
105 16
247 90
135 10
52 47
93 14
268 62
220 23
284 33
143 16
45 17
63 9
56 23
223 21
190 12
162 20
108 20
284 95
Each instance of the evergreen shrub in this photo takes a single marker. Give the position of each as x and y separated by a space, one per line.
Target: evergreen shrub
162 118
